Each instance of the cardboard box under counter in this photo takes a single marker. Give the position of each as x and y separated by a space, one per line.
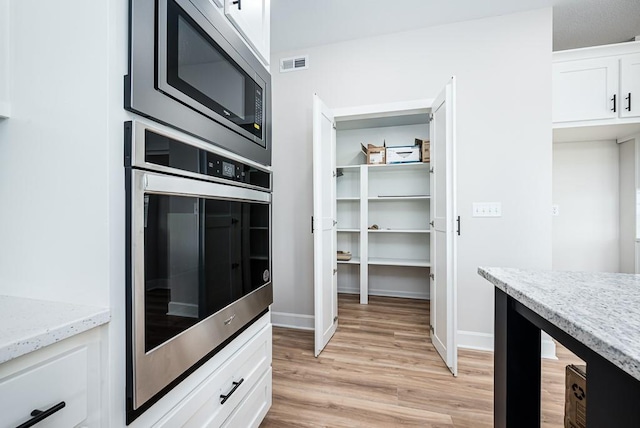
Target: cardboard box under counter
403 154
575 404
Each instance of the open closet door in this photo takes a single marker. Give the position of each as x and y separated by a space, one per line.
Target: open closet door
444 228
325 265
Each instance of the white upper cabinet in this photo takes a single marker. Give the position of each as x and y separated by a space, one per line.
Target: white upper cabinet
585 90
630 86
252 19
597 86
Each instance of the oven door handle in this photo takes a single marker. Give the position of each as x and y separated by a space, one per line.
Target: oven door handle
171 185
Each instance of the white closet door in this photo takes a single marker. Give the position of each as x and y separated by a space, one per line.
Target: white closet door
324 224
443 251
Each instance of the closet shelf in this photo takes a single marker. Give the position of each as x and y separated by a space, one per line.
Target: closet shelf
348 199
349 230
398 262
398 198
399 230
353 261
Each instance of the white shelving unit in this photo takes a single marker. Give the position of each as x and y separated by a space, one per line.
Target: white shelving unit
394 259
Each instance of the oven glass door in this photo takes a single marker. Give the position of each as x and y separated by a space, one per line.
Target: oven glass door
199 68
200 255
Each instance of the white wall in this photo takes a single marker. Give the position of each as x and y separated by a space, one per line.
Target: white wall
586 189
4 57
503 71
628 187
53 154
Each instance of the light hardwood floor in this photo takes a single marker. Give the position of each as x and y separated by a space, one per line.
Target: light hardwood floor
380 370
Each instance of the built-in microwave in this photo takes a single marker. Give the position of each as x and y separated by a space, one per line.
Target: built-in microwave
190 70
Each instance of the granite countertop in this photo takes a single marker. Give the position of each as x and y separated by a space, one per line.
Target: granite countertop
28 324
601 310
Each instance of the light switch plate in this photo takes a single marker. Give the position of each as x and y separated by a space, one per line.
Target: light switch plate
487 209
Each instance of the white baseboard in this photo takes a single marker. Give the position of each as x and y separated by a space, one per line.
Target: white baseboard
387 293
475 340
484 342
296 321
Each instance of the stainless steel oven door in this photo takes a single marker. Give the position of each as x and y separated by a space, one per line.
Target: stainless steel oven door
201 260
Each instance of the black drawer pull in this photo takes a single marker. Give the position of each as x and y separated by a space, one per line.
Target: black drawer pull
628 108
224 398
239 3
39 415
614 103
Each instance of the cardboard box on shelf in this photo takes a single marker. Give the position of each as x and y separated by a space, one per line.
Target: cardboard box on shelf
374 154
403 154
575 404
425 149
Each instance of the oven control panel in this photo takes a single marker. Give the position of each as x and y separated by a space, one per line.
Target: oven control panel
221 167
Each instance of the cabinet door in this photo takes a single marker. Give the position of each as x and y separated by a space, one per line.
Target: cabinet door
585 90
630 86
252 19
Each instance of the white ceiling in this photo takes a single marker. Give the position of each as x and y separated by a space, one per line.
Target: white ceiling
298 24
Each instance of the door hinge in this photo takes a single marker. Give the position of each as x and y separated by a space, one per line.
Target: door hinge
335 271
335 222
432 276
334 173
458 221
334 125
431 170
430 117
335 319
311 224
431 328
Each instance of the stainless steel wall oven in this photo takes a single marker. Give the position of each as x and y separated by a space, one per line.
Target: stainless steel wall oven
190 70
198 255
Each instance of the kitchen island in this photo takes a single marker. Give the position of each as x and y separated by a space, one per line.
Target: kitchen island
594 315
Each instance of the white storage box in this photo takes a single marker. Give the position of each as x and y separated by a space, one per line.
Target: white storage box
403 154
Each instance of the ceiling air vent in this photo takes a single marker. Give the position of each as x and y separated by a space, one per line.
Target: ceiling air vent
294 63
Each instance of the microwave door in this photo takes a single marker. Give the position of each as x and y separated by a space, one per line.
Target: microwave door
195 69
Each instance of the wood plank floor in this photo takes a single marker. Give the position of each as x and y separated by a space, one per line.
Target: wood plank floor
380 370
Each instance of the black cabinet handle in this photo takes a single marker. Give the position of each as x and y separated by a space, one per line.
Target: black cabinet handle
39 415
224 398
628 108
614 103
239 3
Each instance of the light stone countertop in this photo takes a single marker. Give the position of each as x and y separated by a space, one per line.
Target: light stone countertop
601 310
27 324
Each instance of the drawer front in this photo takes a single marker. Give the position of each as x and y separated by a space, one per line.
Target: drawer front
41 387
254 408
248 364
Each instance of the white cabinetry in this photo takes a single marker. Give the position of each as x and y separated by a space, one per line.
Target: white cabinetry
630 86
595 90
252 19
238 387
585 90
62 380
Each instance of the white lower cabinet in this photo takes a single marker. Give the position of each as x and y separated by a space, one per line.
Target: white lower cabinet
248 370
57 383
254 408
62 380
